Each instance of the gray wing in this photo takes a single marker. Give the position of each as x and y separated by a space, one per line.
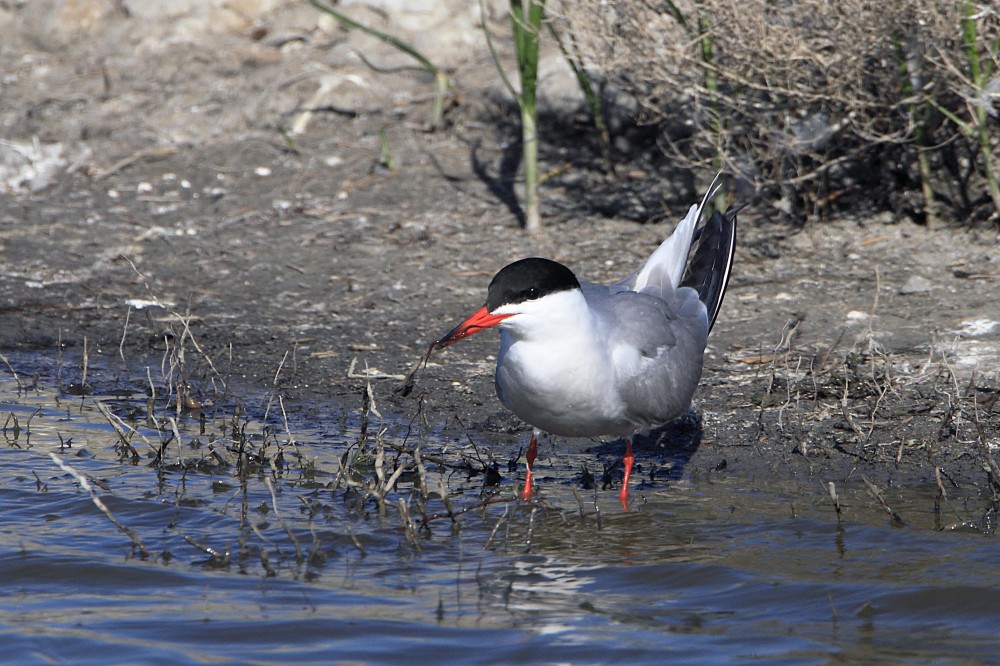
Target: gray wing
657 340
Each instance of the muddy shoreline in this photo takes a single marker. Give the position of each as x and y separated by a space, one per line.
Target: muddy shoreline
863 346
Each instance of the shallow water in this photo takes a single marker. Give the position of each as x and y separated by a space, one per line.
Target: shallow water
709 567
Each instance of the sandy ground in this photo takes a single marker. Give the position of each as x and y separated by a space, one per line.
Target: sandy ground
149 158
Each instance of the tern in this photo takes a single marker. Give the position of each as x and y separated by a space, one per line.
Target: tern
579 359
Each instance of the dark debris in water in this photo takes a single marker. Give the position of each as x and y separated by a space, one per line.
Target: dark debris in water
289 490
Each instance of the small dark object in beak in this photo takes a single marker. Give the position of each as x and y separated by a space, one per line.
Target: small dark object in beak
480 320
406 388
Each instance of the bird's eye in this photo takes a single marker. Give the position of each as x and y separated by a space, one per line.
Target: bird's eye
532 293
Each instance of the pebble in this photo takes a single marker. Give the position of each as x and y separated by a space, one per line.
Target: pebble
917 284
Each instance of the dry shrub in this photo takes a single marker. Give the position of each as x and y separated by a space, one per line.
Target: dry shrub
807 102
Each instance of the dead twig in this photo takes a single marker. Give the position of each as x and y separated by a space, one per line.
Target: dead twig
896 519
452 513
832 488
281 521
124 431
990 465
20 386
85 485
218 559
149 153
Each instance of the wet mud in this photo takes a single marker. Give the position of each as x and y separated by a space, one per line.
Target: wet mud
185 214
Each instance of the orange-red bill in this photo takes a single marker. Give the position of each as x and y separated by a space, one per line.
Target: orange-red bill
478 321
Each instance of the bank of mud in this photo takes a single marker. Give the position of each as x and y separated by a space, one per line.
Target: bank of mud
848 348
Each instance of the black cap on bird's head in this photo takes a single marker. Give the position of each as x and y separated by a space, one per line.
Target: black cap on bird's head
524 280
527 280
519 282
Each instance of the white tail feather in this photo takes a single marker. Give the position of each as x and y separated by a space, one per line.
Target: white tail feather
671 256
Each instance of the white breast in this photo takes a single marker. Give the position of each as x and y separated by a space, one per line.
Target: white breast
557 374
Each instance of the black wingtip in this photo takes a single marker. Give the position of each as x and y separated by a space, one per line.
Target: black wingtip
710 266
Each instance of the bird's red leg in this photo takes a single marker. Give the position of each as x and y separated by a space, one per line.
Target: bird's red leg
530 456
627 461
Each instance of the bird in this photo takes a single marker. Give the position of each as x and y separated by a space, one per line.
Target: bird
581 359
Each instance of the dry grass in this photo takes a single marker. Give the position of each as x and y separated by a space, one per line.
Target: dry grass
882 411
816 104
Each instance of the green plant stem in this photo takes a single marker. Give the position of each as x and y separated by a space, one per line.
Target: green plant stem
529 155
909 83
675 12
385 159
494 55
980 75
526 21
711 79
441 87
